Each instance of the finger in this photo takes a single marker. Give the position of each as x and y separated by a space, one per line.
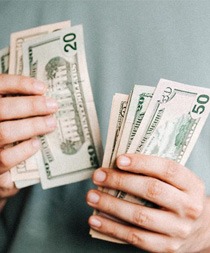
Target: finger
20 84
155 220
7 186
140 238
161 168
12 156
148 188
2 204
12 131
21 107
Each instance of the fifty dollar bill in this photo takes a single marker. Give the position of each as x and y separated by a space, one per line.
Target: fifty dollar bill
172 124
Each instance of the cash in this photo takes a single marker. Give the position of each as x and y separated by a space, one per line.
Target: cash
121 132
4 60
164 121
169 126
116 122
17 40
26 173
59 60
55 54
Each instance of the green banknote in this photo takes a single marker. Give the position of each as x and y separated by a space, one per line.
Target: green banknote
74 149
26 173
171 125
4 60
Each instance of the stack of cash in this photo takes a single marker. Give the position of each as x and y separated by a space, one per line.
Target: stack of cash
164 121
55 54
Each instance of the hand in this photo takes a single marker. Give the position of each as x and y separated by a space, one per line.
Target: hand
22 118
181 224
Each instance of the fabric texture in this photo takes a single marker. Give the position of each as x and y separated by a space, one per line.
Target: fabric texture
127 42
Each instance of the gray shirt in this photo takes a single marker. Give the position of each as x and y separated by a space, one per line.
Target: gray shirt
127 42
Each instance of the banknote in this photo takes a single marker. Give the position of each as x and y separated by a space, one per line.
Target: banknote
18 38
172 124
25 183
173 121
135 111
116 122
170 127
140 99
74 149
4 60
27 170
139 103
136 108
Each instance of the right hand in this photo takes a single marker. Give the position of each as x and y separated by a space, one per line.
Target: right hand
22 118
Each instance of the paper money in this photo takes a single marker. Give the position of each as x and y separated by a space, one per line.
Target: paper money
173 121
25 183
116 122
27 170
4 60
170 127
138 106
73 150
134 113
18 38
140 99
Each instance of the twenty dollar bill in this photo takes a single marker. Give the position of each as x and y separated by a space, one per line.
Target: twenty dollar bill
26 173
74 149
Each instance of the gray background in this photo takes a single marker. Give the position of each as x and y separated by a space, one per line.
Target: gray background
127 42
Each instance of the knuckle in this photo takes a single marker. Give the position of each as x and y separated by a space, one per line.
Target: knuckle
184 231
118 181
36 103
25 83
201 187
134 238
4 159
171 170
173 247
8 192
113 232
4 134
2 110
153 188
140 218
110 207
193 210
7 187
26 149
37 125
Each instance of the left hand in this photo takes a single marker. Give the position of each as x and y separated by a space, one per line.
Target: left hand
181 224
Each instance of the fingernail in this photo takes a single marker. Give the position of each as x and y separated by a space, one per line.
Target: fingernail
51 122
35 143
94 222
39 86
93 197
99 175
51 103
124 160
